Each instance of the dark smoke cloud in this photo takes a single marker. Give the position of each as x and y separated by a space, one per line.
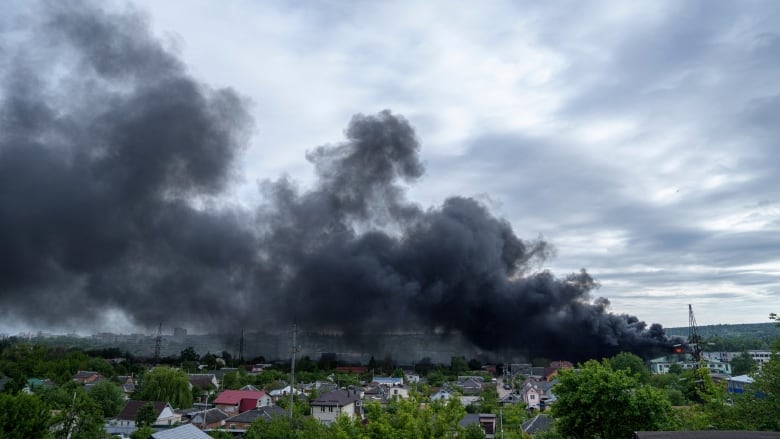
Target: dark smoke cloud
112 163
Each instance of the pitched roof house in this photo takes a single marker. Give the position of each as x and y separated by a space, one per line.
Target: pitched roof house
538 424
442 394
204 381
329 406
87 377
211 418
486 421
164 411
186 431
243 420
239 401
537 392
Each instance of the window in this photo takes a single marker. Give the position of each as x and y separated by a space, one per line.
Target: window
322 409
330 408
532 397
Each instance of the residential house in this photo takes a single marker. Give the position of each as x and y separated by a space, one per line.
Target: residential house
538 424
211 418
203 381
511 399
36 383
329 406
281 393
376 394
124 423
537 394
441 395
239 401
466 401
470 385
388 381
520 369
87 377
187 431
243 420
411 377
128 384
486 421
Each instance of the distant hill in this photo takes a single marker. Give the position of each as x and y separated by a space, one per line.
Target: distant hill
737 337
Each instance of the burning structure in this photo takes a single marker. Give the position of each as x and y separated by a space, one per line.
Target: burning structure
112 162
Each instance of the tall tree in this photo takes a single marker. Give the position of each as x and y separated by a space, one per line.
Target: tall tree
82 419
108 396
23 416
146 415
595 401
166 385
742 364
631 363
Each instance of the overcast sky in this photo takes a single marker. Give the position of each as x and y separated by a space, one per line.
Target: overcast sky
639 138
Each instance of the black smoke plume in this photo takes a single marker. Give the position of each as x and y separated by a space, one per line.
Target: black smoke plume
113 163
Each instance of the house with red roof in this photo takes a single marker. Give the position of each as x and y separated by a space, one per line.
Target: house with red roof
240 401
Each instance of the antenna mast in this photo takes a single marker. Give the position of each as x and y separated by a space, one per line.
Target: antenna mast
694 340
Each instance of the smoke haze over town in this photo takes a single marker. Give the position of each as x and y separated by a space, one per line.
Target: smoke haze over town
137 188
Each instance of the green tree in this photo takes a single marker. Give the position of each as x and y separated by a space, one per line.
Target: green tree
108 396
596 401
631 363
189 354
742 364
277 428
142 433
166 385
23 416
146 415
474 431
82 419
459 366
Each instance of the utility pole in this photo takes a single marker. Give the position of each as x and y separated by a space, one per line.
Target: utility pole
294 351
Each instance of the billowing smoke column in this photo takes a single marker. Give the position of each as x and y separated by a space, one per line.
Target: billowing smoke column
112 161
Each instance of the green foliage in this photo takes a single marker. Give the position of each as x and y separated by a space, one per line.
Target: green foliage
675 369
23 416
742 364
146 415
459 366
189 354
83 419
758 408
109 397
631 363
167 385
596 401
217 434
142 433
474 431
697 385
